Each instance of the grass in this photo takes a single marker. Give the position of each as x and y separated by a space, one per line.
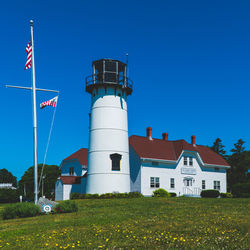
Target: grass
149 223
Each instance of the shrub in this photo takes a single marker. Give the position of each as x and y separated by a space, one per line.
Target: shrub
106 196
74 196
93 196
172 194
82 196
226 195
161 193
135 195
241 190
210 193
120 195
66 207
8 195
20 210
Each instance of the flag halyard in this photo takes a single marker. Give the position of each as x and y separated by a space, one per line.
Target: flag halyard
52 102
29 55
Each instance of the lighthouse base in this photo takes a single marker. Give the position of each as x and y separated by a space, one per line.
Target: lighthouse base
108 183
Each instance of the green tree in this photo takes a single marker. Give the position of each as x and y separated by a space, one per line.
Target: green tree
50 174
239 162
218 147
7 177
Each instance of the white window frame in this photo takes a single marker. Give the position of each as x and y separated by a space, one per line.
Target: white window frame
154 182
203 184
172 183
217 185
191 163
185 161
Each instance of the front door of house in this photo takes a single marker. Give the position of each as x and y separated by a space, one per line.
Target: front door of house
188 182
188 185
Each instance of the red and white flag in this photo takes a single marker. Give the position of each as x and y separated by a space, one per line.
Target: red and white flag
52 102
29 54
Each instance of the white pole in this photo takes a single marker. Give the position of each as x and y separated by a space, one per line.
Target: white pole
34 115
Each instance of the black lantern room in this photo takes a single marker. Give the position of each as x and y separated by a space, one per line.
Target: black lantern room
107 73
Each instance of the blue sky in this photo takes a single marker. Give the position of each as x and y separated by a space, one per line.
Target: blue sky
189 61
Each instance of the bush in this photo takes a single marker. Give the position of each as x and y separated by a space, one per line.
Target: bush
241 190
91 196
119 195
66 207
161 193
8 195
106 196
20 210
74 196
210 193
173 195
135 195
226 195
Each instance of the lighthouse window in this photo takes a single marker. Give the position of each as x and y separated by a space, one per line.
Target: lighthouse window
116 162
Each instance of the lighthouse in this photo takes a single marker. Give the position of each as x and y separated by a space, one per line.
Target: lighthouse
108 155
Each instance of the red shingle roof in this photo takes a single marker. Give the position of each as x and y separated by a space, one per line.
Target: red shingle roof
171 150
70 179
81 155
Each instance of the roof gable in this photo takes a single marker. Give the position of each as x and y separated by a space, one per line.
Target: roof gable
171 150
81 155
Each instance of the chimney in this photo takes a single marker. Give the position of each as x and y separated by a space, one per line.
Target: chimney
193 140
149 133
165 136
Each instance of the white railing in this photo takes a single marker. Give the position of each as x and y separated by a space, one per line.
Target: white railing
197 191
194 191
187 190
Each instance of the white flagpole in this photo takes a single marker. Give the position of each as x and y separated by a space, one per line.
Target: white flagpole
34 89
34 115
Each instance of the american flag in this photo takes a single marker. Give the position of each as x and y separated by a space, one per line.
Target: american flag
29 53
51 102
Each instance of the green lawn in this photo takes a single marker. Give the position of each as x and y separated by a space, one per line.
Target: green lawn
138 223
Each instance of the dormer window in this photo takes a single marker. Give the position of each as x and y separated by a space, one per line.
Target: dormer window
116 162
190 161
185 160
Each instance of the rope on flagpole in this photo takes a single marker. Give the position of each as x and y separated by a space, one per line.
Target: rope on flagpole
47 147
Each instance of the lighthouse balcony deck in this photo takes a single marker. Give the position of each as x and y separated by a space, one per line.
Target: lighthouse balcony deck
108 79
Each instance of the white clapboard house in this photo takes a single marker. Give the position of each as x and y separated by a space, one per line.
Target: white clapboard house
73 172
177 166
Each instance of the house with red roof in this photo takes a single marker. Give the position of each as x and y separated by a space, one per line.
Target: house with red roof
73 175
177 166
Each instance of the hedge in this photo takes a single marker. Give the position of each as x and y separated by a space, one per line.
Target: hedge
21 210
210 193
106 195
226 195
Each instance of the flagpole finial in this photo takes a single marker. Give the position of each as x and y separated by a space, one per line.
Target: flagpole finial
31 22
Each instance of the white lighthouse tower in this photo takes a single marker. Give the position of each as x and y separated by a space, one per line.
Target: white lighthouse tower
108 157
